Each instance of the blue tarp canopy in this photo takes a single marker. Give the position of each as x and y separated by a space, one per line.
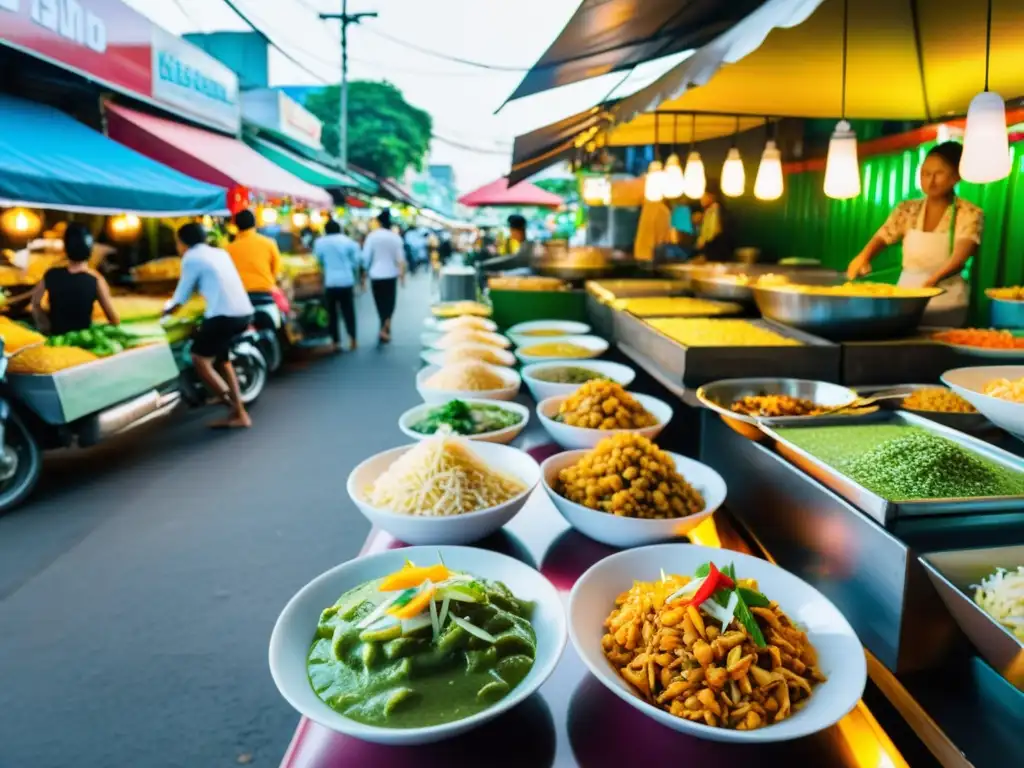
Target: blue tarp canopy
50 160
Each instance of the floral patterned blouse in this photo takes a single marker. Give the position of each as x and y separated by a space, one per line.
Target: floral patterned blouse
970 221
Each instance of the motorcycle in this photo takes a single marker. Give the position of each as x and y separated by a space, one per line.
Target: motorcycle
246 358
269 321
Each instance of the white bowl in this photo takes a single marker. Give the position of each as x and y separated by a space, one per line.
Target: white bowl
443 326
564 327
571 437
541 390
442 396
970 383
436 340
453 529
630 531
840 654
439 356
595 345
503 436
293 634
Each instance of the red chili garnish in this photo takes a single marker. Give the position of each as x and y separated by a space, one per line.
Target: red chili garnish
709 586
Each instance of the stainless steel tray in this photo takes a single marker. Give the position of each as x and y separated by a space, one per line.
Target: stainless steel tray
693 366
884 510
953 574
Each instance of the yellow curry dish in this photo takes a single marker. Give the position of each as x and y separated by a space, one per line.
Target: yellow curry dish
603 404
557 349
701 332
676 306
775 406
712 649
937 400
865 291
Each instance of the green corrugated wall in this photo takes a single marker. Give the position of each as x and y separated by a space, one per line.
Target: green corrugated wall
806 224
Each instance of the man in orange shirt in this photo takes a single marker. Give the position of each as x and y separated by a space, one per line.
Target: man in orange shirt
256 257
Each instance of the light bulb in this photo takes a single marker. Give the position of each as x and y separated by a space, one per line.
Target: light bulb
597 190
672 181
768 184
299 220
842 169
986 156
317 218
21 223
653 182
268 215
694 180
734 178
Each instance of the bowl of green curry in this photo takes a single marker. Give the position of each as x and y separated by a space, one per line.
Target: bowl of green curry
417 645
484 420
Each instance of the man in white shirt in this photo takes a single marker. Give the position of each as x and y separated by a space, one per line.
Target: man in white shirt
211 272
384 255
339 259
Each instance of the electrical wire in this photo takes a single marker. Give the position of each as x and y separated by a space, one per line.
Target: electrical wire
468 148
445 56
269 41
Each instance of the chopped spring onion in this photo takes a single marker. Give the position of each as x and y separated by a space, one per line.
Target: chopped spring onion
465 594
715 611
444 611
685 590
474 630
416 623
434 623
379 611
384 624
664 578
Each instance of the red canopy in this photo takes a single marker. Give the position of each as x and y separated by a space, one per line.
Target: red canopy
208 156
499 193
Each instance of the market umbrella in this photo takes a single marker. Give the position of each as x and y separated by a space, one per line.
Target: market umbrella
907 60
499 193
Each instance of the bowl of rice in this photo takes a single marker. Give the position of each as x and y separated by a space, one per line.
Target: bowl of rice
460 336
443 490
470 379
463 322
484 353
997 391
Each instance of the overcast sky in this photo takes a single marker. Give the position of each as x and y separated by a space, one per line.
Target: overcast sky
461 99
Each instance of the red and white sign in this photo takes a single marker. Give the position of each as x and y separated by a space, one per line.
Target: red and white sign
107 42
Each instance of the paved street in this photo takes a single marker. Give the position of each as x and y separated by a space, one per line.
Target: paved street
138 588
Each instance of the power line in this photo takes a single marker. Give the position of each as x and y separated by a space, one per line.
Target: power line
445 56
267 39
468 148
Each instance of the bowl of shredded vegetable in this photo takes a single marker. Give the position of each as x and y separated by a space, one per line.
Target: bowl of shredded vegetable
997 391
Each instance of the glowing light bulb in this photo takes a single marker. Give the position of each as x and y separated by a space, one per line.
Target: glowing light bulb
986 156
842 169
597 190
694 179
672 181
317 218
299 220
268 215
768 184
21 223
653 182
734 177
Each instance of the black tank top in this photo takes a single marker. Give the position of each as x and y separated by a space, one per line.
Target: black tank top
72 295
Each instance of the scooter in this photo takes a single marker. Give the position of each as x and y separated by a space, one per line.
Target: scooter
269 322
245 357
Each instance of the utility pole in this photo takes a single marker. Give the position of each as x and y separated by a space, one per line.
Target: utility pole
345 18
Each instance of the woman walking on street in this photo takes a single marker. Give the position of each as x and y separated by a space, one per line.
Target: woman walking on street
384 256
338 255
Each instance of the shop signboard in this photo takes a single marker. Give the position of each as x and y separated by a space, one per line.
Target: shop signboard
109 43
275 110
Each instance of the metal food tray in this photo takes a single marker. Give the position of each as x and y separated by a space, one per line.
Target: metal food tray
885 511
694 366
608 290
953 574
70 394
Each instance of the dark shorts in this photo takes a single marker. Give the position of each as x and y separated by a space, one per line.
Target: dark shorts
214 337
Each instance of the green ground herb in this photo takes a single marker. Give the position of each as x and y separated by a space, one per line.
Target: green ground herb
903 463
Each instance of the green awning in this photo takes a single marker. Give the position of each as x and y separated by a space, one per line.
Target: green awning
307 170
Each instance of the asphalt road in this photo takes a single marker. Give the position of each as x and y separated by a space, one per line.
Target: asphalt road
139 586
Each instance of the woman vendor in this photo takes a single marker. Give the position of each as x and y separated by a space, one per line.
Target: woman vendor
939 234
72 290
714 235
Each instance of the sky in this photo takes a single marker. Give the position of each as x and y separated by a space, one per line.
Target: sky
505 34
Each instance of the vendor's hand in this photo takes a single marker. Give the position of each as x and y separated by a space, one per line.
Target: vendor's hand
859 267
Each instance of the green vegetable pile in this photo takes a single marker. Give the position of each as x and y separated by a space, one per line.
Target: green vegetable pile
568 375
903 463
107 340
465 419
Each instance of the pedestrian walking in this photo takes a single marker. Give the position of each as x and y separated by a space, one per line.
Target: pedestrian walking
340 262
384 255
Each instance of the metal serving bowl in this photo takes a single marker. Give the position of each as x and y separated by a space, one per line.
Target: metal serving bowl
719 395
965 422
723 288
843 317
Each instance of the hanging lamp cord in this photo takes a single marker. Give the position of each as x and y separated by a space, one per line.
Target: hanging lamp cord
657 148
693 131
846 25
675 134
736 133
988 41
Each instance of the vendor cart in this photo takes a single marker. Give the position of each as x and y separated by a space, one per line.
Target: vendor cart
78 407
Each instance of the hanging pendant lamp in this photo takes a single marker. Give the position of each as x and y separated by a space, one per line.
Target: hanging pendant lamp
768 183
842 167
672 182
654 180
986 156
734 177
694 178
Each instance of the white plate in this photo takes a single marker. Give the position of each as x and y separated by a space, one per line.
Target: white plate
840 654
542 390
580 437
984 352
595 345
453 529
446 340
618 531
970 383
443 326
439 356
503 436
442 396
296 626
567 327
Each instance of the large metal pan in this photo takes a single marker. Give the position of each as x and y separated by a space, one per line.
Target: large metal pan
839 317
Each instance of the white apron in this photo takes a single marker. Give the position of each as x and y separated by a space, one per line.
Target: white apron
924 253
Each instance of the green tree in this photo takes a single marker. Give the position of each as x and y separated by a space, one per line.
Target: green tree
386 134
567 189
